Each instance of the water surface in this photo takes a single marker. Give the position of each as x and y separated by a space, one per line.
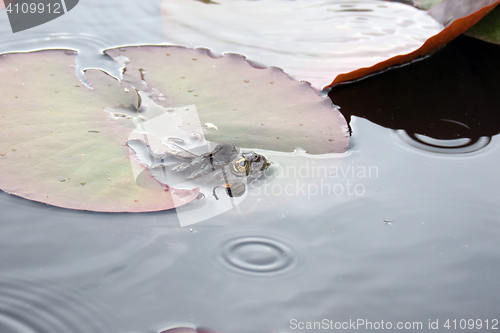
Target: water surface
418 241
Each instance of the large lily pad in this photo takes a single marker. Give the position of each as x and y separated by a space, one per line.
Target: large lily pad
64 144
247 106
311 40
456 18
59 147
488 29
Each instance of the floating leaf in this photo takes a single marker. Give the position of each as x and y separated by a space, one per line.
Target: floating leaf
311 40
59 147
456 19
238 103
66 145
426 4
488 29
461 13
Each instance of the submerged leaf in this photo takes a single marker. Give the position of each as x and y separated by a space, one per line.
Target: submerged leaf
58 145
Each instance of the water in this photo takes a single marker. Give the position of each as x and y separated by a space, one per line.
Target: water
418 241
310 40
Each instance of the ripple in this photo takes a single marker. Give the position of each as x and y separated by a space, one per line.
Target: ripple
257 255
449 147
35 306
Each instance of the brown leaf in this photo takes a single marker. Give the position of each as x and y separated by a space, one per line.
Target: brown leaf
457 19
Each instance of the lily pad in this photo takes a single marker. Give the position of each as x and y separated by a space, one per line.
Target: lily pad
238 103
456 20
64 144
426 4
59 147
311 40
488 29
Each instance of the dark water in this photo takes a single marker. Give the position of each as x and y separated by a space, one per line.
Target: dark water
419 243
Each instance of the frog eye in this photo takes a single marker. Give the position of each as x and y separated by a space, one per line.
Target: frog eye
241 166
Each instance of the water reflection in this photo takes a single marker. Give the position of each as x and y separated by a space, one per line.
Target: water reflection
447 103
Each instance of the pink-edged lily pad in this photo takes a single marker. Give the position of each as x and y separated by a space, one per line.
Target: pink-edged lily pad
59 147
64 144
238 103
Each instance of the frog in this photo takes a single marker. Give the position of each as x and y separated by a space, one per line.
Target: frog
225 167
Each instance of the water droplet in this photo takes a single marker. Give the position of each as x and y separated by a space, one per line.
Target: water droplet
190 230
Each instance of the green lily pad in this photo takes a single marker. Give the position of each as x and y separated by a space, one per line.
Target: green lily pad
64 144
426 4
488 29
59 147
238 103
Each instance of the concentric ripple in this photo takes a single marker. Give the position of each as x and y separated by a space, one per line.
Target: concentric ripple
40 306
454 146
258 255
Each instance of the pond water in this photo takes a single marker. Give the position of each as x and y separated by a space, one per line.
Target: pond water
411 238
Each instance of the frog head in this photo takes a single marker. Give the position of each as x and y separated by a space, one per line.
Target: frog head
251 165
